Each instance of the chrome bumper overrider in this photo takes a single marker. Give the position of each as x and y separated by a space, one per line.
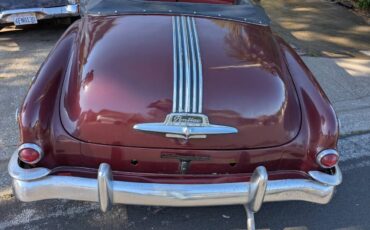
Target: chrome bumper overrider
6 16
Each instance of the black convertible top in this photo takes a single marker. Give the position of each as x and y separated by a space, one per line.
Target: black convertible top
245 11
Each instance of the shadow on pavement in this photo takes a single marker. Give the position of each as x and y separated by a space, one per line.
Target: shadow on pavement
319 27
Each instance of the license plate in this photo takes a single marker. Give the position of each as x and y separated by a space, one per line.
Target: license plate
24 19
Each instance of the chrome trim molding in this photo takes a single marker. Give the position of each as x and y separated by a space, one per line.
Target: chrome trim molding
34 147
21 174
187 66
175 62
41 13
186 120
326 178
323 153
200 73
35 184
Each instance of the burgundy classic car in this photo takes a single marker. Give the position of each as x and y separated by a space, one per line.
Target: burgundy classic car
191 103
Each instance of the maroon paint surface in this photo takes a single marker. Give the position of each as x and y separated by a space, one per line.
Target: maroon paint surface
123 75
253 81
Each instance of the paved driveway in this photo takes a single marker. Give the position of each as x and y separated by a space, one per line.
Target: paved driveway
320 27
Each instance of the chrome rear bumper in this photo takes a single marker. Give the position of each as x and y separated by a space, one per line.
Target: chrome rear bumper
36 184
6 16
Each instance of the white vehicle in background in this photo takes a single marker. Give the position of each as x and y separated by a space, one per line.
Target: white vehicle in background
25 12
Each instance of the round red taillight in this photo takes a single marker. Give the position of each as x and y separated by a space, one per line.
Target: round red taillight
328 158
29 153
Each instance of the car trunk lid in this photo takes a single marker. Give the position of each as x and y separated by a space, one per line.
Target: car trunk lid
122 76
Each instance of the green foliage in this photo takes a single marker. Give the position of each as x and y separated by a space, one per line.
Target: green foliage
364 4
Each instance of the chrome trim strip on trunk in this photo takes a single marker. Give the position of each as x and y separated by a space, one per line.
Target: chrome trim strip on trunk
186 62
175 63
194 62
185 41
181 65
186 120
200 73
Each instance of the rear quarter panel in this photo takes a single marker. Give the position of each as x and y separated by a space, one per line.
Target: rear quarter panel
36 113
320 128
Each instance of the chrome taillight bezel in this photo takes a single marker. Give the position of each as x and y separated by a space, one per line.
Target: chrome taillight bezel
31 146
323 154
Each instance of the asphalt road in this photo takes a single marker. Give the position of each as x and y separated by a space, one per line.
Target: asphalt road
21 53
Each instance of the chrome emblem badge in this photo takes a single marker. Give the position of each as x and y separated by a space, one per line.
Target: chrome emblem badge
185 126
186 120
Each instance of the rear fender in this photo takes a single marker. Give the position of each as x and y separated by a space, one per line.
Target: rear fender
319 122
36 112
